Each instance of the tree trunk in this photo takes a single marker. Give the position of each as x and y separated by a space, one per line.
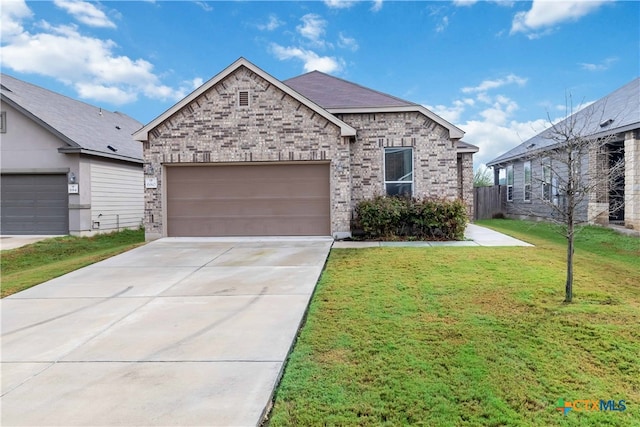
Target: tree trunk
568 290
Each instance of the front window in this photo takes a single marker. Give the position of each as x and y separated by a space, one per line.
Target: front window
527 181
510 183
398 171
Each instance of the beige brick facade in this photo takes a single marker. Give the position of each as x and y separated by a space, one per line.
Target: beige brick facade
434 153
213 128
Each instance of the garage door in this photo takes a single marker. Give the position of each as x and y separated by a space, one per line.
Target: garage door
34 204
248 200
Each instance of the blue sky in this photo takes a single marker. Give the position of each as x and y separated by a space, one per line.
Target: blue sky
497 69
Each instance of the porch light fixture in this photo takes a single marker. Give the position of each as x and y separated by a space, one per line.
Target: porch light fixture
72 178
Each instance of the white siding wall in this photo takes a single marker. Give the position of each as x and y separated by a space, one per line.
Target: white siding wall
117 195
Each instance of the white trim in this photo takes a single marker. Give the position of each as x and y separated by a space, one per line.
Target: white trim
143 134
524 180
454 131
509 199
384 169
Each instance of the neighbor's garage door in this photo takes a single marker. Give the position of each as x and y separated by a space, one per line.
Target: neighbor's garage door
34 204
248 200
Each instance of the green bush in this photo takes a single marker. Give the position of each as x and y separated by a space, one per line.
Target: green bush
413 219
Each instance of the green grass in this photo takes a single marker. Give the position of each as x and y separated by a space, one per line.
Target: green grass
465 336
30 265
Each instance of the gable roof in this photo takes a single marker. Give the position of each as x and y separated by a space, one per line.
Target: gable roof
340 96
465 147
331 92
615 113
143 134
85 128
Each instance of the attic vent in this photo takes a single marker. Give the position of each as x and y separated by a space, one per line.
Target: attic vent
243 98
112 148
606 123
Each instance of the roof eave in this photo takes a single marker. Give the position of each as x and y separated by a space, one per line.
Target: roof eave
454 131
143 133
79 150
467 150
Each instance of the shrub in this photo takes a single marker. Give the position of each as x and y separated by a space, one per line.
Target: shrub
402 218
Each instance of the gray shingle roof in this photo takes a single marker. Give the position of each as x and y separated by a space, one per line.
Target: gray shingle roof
331 92
622 107
84 127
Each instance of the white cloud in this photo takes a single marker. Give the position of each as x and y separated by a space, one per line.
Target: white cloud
347 42
442 25
496 139
85 12
545 14
489 119
311 60
377 5
93 69
339 4
12 13
312 28
204 5
494 84
464 2
272 24
604 65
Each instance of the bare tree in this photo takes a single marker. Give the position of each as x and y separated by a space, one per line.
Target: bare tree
482 177
578 169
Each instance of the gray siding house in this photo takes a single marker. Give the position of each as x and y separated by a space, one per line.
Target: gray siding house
533 182
66 167
247 154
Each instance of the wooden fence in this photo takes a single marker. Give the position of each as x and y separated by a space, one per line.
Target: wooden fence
487 201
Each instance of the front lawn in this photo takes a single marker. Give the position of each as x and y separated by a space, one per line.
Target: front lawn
30 265
464 336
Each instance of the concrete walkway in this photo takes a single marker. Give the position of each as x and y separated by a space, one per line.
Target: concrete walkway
475 235
179 332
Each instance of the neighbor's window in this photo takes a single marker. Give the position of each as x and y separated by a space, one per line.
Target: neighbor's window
3 122
546 182
527 181
510 183
398 171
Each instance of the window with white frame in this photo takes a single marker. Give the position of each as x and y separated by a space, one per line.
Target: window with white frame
510 183
398 171
3 122
527 181
546 182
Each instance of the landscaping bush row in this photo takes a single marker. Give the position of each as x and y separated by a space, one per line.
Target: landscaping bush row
412 219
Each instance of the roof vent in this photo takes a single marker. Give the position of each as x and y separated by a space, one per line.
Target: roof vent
112 148
530 146
243 98
606 123
118 127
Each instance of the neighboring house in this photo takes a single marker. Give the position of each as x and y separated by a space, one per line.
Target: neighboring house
247 154
614 119
67 167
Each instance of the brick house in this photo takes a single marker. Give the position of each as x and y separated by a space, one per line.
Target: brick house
247 154
536 187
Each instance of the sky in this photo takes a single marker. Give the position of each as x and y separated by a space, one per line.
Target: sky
501 70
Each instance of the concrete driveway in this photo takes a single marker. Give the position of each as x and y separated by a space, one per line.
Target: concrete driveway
187 332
